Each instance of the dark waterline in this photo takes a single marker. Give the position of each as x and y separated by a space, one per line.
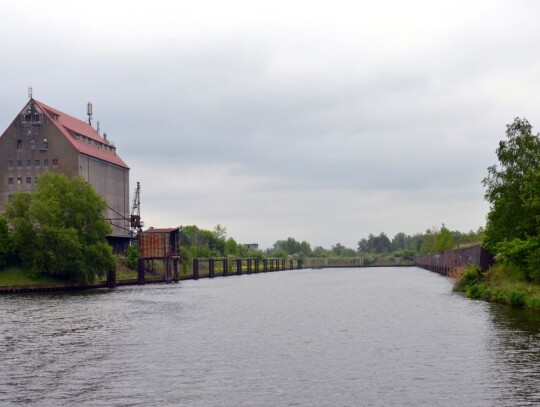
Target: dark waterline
334 337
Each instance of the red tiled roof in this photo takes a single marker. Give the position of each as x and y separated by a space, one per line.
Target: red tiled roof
162 230
66 124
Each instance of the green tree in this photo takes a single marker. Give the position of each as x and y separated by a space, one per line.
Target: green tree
231 247
429 243
399 241
132 254
5 243
513 191
59 229
444 240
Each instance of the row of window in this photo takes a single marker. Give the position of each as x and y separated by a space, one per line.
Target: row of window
92 142
37 163
44 146
19 180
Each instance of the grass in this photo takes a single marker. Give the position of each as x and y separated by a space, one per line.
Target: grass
13 276
503 284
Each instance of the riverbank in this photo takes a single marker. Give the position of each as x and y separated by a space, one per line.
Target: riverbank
501 283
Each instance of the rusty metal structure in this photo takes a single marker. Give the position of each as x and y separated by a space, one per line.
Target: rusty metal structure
447 262
159 244
135 218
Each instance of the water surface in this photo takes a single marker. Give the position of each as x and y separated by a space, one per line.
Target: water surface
334 337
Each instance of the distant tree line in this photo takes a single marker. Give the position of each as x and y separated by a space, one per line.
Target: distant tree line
201 243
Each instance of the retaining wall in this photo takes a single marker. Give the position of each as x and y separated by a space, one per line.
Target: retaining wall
446 262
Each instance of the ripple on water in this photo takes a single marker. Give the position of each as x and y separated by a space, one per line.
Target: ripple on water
370 337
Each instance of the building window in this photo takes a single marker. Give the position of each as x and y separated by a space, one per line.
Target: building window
19 144
35 180
19 180
55 161
10 181
10 163
37 163
28 180
46 162
28 163
45 145
19 163
33 145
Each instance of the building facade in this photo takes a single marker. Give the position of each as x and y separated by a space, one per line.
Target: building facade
42 139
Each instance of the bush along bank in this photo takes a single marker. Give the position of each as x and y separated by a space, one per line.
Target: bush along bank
502 283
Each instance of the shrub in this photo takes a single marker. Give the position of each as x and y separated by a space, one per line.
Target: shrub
517 298
470 277
132 254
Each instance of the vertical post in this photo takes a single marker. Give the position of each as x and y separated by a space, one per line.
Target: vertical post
239 267
291 264
195 269
271 264
176 277
265 265
111 277
282 264
211 268
299 263
225 267
257 265
167 268
249 266
140 271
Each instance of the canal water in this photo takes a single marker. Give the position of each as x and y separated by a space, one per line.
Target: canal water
334 337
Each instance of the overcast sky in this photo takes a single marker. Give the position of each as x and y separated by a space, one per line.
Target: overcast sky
320 120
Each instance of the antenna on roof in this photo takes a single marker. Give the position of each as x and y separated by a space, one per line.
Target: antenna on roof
89 113
29 92
97 130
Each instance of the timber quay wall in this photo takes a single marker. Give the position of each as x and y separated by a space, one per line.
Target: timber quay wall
447 262
202 268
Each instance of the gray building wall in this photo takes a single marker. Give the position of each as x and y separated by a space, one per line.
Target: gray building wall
112 183
24 143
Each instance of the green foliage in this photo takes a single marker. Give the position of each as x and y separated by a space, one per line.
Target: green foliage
320 252
231 247
523 253
291 246
5 243
132 254
202 242
437 240
59 230
470 277
513 191
280 254
185 260
517 299
339 250
375 244
444 240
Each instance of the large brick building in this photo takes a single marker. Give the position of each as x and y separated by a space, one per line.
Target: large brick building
42 139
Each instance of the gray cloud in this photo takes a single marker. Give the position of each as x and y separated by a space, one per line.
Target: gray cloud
324 125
